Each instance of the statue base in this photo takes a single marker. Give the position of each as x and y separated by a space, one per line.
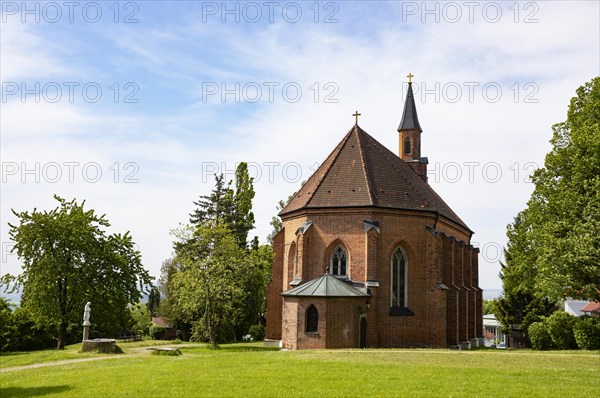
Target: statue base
107 346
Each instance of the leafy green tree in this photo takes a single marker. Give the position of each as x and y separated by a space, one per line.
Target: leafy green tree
8 331
204 261
554 244
68 260
141 318
489 306
216 206
565 205
32 333
275 220
255 275
208 287
243 217
168 308
587 333
520 305
539 336
560 327
153 300
229 206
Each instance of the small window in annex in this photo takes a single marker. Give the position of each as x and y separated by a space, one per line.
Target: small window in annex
312 319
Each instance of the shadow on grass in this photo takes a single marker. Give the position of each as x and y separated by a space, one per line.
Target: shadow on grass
10 392
12 353
231 348
242 348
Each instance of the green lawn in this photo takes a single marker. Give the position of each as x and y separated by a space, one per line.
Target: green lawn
11 359
250 370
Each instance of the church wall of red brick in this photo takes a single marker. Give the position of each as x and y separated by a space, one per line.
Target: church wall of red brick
274 289
442 278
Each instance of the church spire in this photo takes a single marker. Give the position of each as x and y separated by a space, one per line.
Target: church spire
410 135
410 120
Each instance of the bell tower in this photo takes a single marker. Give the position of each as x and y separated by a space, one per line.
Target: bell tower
410 135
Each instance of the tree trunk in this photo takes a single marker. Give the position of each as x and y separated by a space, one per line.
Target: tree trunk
62 335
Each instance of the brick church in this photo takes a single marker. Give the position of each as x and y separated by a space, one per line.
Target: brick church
370 256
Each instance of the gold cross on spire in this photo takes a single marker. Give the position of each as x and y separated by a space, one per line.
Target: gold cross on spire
410 76
356 115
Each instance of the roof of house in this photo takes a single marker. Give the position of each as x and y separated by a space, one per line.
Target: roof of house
325 286
362 172
409 121
158 321
490 320
594 306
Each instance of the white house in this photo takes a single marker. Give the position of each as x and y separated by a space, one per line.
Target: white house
574 307
491 331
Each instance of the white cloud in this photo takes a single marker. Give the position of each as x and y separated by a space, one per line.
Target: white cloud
367 61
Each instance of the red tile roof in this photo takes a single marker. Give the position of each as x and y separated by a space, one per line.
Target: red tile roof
158 321
591 307
362 172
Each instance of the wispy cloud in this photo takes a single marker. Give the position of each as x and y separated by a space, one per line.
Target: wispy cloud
178 133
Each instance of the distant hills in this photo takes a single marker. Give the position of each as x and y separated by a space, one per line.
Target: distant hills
489 294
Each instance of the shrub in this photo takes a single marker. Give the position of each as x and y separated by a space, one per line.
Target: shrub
560 326
587 333
9 340
157 332
257 332
539 337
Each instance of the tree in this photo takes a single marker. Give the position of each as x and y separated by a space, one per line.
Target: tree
521 304
68 260
565 204
168 308
560 328
553 248
8 331
208 287
142 318
216 206
153 300
205 262
228 206
489 306
243 217
275 220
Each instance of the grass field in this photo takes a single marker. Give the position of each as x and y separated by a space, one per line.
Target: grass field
250 370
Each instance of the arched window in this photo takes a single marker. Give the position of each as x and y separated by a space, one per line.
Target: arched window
338 264
407 146
399 279
312 319
292 259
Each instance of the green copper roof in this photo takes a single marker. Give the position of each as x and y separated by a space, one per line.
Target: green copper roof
325 286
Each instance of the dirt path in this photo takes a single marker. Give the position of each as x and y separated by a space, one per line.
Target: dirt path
69 361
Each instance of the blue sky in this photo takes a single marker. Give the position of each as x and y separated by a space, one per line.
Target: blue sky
133 105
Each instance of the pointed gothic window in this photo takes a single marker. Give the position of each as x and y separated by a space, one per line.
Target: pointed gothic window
399 279
407 146
312 319
338 264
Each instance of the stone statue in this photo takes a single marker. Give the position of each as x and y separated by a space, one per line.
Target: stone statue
86 314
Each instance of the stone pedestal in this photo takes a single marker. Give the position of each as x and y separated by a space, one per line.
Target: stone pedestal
108 346
272 343
86 332
464 345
